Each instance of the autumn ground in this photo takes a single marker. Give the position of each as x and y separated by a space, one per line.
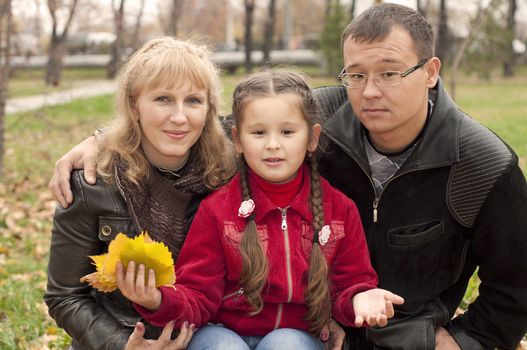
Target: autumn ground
34 140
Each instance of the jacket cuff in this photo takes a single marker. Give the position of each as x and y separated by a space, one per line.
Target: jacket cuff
465 341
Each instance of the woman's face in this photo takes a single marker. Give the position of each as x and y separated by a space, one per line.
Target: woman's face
171 121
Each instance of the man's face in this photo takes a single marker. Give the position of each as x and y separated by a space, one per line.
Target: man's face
394 115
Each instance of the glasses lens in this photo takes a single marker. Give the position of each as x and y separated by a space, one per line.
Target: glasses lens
388 78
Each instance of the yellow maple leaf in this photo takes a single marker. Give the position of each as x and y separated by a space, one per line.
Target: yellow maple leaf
141 250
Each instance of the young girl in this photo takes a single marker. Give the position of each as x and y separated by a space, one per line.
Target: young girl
163 153
275 253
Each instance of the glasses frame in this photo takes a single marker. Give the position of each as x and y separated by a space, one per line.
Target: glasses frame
407 72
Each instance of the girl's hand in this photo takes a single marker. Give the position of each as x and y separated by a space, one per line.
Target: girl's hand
332 336
134 288
137 342
375 307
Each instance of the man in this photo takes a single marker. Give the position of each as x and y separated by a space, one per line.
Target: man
439 195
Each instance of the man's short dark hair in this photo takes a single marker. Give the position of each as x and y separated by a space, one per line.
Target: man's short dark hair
376 23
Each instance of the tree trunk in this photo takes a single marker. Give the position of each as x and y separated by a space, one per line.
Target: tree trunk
269 32
56 54
5 40
137 28
116 58
509 62
57 47
353 5
442 33
248 38
173 22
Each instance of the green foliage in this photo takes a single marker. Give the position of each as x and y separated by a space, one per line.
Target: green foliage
491 43
330 37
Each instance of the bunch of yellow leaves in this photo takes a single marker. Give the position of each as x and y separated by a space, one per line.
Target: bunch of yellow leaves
141 250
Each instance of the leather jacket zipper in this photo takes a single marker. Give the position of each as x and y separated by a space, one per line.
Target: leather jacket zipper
376 201
375 204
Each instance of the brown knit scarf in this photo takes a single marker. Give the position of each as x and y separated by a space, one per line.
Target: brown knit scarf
166 205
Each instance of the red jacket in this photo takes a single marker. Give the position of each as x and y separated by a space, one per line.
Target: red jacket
208 268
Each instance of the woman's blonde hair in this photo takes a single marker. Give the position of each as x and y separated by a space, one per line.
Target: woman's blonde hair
165 62
255 265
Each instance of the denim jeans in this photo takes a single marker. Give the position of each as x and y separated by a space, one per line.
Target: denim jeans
217 337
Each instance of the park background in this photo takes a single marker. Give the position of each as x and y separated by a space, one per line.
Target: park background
481 43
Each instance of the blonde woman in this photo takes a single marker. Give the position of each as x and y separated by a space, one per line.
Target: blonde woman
162 154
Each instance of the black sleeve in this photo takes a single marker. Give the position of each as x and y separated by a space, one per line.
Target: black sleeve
498 317
72 303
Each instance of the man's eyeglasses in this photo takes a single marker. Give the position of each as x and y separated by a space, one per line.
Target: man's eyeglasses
382 79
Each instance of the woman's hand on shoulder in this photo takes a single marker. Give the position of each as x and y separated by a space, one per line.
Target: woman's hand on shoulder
137 342
133 286
375 307
83 155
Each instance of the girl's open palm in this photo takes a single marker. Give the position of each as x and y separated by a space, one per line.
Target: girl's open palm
375 307
133 287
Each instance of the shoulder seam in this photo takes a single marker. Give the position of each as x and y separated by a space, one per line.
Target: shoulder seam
484 157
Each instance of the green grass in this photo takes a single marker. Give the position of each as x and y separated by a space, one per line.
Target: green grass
34 140
27 82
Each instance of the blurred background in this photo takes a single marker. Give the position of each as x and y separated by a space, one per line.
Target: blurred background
58 59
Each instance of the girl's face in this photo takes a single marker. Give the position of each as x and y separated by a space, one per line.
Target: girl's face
171 121
274 136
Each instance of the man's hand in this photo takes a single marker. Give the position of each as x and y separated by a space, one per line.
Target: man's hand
137 342
134 288
332 336
375 307
444 340
83 155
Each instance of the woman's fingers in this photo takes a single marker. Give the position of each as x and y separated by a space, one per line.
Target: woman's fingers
136 338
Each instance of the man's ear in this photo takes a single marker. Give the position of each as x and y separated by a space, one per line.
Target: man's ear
236 140
432 70
315 137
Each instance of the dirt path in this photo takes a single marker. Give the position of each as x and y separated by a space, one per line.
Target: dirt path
83 90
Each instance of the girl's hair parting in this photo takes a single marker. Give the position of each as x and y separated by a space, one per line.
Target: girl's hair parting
255 265
166 62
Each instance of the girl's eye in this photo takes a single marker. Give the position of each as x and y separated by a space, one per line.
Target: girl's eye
258 132
288 132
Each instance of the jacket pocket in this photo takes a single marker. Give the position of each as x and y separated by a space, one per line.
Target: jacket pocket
425 256
412 235
110 226
330 247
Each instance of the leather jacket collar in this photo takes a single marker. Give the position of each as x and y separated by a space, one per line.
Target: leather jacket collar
439 145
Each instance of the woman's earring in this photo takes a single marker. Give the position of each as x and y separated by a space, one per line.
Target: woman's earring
309 154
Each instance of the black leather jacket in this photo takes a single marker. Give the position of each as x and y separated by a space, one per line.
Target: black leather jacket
93 319
459 201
